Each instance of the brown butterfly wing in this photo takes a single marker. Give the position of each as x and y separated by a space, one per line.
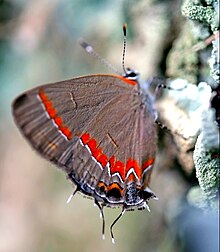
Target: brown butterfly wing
89 126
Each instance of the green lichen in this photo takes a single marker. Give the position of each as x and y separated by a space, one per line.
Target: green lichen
215 64
210 2
206 158
196 11
207 172
203 15
182 61
210 131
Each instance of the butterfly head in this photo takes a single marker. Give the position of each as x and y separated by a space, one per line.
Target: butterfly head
131 74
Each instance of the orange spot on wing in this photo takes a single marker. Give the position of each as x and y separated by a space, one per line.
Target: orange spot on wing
48 105
131 177
102 186
114 190
52 145
127 81
114 185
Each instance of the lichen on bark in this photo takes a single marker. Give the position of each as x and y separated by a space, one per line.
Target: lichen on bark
202 22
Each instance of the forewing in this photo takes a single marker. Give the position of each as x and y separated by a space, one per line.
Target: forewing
53 117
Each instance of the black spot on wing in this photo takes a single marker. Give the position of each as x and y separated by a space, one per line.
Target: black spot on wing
20 101
114 193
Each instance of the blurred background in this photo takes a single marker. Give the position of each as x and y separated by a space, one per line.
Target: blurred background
39 44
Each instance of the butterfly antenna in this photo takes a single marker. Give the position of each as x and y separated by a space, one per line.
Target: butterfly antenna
102 217
89 49
112 225
124 47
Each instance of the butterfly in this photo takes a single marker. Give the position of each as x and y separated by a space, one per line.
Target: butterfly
100 130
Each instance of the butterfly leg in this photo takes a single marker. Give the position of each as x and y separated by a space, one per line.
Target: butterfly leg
102 216
116 220
160 83
71 196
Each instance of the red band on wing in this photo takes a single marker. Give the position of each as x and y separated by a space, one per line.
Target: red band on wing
85 138
131 163
48 105
96 152
112 161
132 169
118 167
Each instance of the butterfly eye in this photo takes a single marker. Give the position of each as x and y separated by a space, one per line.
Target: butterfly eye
131 74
